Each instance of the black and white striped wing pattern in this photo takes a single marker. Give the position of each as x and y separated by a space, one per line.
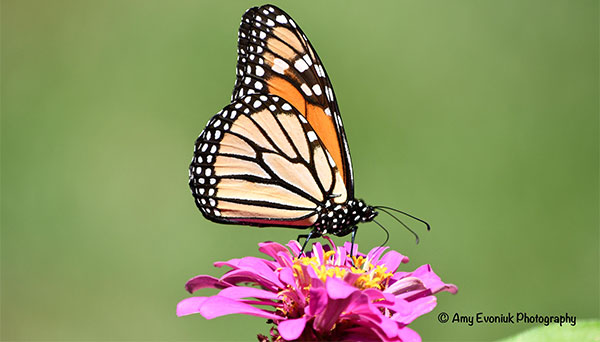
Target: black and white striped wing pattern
259 162
275 57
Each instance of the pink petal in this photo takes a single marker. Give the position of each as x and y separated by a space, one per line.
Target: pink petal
331 243
339 289
248 276
190 306
291 329
355 252
272 248
295 247
318 301
375 253
204 281
405 285
237 292
406 312
409 335
391 260
344 293
217 306
286 276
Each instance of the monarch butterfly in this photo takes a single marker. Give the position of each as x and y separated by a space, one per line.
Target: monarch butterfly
277 155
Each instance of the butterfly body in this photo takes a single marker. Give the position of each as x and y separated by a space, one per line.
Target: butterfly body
277 155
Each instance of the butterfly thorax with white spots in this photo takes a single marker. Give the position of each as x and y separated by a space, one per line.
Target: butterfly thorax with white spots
340 219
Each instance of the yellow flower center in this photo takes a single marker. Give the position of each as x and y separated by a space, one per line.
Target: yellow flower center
370 276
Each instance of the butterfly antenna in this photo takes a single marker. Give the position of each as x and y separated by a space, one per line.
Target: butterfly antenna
387 236
404 213
402 223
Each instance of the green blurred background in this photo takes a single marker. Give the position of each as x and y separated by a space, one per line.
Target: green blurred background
479 116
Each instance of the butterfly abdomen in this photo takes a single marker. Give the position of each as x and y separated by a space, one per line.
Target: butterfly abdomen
340 219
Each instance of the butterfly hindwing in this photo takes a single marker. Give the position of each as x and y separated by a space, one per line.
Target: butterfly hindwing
259 162
275 57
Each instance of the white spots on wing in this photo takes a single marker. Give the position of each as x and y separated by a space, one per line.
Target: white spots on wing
327 111
330 159
262 35
270 23
247 99
217 134
258 85
279 66
317 89
311 136
272 108
208 172
263 98
281 19
320 71
292 23
307 59
265 12
258 18
247 80
300 65
329 93
286 107
247 111
257 104
306 89
259 71
213 149
303 119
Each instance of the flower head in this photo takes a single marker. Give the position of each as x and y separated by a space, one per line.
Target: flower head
321 295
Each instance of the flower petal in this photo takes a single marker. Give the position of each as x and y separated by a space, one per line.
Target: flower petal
339 289
318 301
409 335
406 312
291 329
392 259
190 306
237 292
295 247
272 248
205 281
217 306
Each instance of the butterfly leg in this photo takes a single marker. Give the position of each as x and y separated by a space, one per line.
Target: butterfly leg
354 230
308 236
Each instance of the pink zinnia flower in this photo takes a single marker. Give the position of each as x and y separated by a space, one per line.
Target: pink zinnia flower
323 294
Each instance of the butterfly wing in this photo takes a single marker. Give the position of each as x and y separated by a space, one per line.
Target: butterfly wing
259 162
275 57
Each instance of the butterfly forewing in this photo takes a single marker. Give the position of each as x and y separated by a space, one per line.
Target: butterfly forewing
275 57
260 162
